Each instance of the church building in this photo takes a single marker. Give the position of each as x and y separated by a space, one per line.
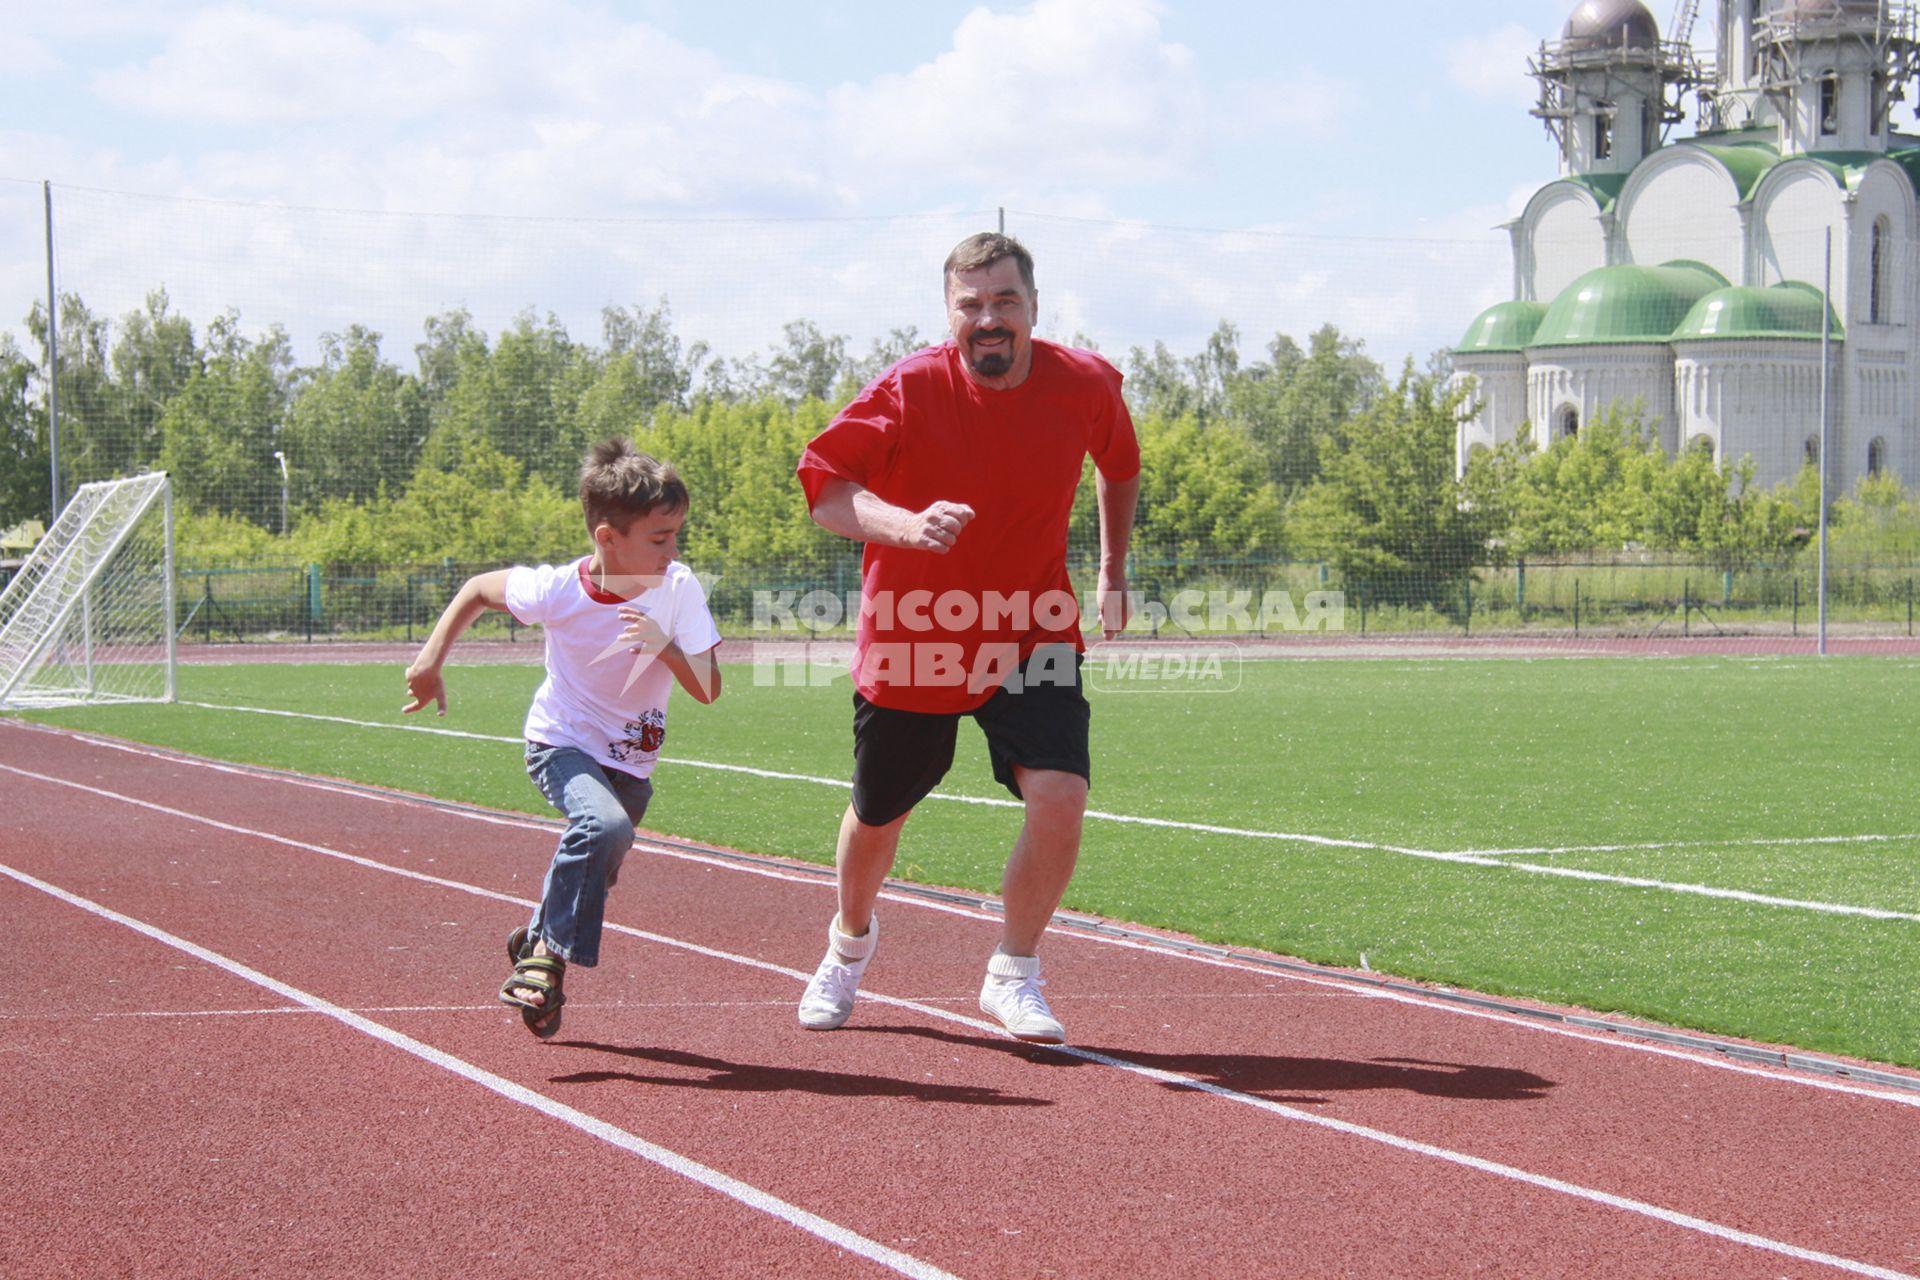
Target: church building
1689 279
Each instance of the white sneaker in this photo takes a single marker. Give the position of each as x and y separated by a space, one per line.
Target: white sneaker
829 997
1012 994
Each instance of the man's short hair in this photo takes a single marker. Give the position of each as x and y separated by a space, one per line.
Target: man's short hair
983 249
619 484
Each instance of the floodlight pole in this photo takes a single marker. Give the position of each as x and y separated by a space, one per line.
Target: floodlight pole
282 458
53 367
1826 423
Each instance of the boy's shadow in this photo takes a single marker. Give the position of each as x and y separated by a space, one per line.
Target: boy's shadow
1281 1078
744 1077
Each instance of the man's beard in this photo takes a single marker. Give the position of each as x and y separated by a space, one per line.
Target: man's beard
993 364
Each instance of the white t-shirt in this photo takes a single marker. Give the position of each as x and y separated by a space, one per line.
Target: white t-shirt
599 695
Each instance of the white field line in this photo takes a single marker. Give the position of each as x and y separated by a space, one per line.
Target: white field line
1495 858
1752 842
1715 1061
672 1161
817 1226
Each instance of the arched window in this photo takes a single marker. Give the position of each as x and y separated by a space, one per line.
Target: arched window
1602 136
1566 423
1877 456
1810 452
1829 104
1702 443
1879 255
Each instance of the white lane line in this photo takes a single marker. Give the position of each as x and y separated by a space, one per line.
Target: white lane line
1500 859
1716 1062
672 1161
1412 1146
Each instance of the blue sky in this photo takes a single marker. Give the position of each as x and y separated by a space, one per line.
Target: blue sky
1395 121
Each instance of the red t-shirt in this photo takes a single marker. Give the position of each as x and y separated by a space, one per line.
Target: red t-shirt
941 632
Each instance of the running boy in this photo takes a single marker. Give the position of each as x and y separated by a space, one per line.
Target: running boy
622 625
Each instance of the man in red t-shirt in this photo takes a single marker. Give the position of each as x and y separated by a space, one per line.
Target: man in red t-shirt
957 467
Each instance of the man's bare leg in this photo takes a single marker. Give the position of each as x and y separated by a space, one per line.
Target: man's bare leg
862 858
1036 878
1043 857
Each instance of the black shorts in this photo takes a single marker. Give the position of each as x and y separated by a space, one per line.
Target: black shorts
900 756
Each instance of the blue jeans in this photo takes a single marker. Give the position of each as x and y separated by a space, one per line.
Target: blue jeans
601 807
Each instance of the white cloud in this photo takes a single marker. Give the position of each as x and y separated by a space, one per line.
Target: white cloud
25 55
1065 92
1494 65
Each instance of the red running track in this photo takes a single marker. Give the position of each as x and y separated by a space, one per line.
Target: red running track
250 1030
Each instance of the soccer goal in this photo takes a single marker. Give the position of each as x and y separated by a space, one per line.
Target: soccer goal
89 616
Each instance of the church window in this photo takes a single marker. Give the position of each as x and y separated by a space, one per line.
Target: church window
1877 456
1702 443
1810 452
1566 423
1829 104
1877 264
1602 137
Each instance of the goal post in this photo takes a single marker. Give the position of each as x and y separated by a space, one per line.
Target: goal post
89 616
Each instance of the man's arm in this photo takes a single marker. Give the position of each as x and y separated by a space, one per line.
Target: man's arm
851 511
1116 500
477 595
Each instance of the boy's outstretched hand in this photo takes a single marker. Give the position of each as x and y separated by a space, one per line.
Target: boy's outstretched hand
426 686
643 634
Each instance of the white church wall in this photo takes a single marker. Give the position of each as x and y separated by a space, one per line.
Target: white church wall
1758 399
1566 237
1885 200
1591 380
1499 403
1794 207
1681 204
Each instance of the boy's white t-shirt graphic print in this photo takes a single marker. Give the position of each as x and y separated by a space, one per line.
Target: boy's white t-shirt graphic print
599 695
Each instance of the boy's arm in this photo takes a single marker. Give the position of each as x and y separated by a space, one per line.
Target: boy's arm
698 673
476 595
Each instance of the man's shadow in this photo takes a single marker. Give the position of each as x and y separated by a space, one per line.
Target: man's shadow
1280 1077
742 1077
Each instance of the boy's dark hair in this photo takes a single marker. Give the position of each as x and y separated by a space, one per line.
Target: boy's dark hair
618 484
983 250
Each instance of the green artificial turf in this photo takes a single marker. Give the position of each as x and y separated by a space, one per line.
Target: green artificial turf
1737 772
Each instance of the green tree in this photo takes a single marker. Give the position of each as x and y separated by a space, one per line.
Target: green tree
881 356
1287 404
1593 491
1204 493
24 476
1386 509
218 431
1878 523
644 357
153 360
808 366
522 399
89 446
356 424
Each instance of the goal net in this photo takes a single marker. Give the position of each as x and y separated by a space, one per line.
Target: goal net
88 618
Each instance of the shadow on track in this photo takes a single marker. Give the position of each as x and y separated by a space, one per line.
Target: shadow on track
1280 1078
753 1078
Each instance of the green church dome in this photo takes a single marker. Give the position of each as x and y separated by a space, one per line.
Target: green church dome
1505 326
1791 310
1626 304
